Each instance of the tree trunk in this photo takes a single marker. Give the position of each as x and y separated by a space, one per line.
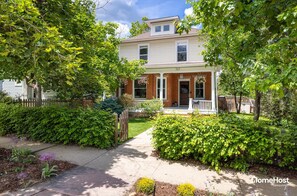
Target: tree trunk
38 95
257 106
239 103
235 101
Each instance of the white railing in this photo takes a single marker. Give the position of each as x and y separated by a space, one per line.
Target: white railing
202 104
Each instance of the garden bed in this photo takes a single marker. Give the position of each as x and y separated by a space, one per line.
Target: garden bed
21 173
165 189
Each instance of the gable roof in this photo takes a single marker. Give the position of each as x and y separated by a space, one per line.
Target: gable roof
148 37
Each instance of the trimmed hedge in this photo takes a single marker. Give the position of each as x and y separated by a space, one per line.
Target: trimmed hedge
225 141
86 127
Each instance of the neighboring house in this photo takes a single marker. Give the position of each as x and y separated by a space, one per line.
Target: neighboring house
20 90
175 70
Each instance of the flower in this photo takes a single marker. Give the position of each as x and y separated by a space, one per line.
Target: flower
200 79
22 175
47 156
142 80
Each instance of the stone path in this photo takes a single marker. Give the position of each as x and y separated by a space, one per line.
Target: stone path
113 172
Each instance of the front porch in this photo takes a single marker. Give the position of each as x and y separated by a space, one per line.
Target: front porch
181 91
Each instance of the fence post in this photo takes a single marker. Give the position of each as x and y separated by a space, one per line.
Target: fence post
116 129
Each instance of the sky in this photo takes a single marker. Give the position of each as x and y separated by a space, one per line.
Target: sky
124 12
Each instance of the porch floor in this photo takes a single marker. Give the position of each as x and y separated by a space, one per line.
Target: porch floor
184 110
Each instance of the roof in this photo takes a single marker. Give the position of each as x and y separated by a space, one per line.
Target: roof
148 37
171 18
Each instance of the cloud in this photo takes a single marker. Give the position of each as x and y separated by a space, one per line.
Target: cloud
189 11
123 30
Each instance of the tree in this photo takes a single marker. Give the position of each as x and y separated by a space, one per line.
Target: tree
59 45
138 28
262 36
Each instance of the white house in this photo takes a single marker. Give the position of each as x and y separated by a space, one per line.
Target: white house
175 69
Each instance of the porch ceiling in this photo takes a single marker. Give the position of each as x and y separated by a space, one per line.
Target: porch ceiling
178 69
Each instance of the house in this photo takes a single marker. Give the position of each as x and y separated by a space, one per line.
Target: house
175 70
20 90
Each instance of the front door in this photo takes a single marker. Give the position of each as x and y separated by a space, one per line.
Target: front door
184 91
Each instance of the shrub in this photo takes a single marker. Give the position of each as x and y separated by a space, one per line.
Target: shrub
145 185
21 155
151 107
110 104
4 98
86 127
186 189
126 101
225 141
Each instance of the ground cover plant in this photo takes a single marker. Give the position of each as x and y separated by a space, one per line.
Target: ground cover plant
227 140
52 124
166 189
21 168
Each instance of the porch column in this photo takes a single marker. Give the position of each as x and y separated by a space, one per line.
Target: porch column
161 87
213 91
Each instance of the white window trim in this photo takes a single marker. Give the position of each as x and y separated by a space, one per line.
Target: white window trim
148 51
160 86
134 92
200 98
176 44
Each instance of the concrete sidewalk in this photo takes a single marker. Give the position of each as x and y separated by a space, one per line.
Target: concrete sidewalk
113 172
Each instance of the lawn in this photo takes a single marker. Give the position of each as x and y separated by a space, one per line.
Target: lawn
139 125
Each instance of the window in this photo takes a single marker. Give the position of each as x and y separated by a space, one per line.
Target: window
182 51
143 52
166 28
122 89
140 88
199 90
157 29
164 88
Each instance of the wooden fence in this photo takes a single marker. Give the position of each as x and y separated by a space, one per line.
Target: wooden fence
121 127
44 102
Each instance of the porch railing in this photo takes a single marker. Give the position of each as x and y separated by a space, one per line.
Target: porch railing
202 104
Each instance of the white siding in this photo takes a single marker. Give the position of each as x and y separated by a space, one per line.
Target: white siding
164 51
13 90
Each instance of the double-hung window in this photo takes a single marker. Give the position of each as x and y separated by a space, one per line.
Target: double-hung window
157 29
164 88
140 88
199 90
182 51
143 52
166 28
122 89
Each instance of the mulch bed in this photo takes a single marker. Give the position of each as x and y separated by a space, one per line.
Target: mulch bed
16 175
166 189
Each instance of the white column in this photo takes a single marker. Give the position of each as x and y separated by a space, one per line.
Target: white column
161 87
213 91
104 96
190 104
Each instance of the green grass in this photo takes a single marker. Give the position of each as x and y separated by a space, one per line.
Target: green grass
139 125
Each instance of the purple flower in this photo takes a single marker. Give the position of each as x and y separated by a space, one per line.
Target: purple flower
47 156
15 139
22 175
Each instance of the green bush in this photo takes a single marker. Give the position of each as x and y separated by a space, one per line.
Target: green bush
151 107
145 185
110 104
126 101
86 127
4 98
225 141
186 189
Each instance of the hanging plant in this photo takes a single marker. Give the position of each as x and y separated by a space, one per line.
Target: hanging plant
142 80
200 79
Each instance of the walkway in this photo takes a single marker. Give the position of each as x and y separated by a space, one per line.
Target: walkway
113 172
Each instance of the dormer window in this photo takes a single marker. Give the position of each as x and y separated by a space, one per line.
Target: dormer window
158 29
166 28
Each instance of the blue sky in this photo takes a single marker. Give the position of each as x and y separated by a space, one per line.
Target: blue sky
126 11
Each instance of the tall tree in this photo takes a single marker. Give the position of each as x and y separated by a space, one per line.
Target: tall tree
263 34
138 28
